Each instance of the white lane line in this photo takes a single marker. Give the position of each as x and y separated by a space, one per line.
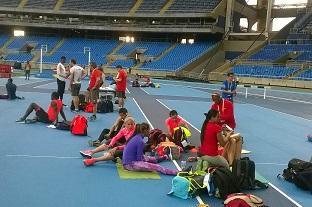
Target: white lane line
43 156
179 115
145 91
127 90
279 112
251 94
152 127
40 86
285 195
281 192
200 201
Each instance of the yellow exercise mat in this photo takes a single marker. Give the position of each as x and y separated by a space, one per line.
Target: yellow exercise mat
245 151
126 174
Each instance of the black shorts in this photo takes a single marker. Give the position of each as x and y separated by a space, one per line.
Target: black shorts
121 94
75 89
42 116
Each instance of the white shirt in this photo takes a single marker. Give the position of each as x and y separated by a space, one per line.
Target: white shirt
76 73
60 71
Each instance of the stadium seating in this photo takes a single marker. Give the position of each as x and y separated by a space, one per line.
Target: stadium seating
178 57
152 6
99 5
262 71
19 57
74 48
9 3
35 41
123 63
306 56
153 48
193 6
39 4
306 75
274 51
3 39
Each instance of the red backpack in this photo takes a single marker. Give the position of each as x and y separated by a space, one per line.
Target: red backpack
79 125
89 108
156 136
243 200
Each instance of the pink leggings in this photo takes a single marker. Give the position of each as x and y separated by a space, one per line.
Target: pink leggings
149 164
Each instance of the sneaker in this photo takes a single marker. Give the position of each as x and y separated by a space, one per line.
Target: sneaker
86 153
92 118
30 121
75 111
88 162
20 120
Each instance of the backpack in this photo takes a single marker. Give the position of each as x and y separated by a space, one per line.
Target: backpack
180 136
82 103
170 149
105 106
245 173
155 137
188 185
225 181
89 108
79 125
243 200
65 125
299 172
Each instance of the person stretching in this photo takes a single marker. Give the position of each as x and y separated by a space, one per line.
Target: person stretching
113 150
134 159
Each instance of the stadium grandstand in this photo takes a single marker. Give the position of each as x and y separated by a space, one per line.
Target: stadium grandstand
190 45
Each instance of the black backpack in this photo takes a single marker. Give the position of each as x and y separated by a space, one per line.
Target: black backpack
299 172
224 180
82 103
105 106
245 172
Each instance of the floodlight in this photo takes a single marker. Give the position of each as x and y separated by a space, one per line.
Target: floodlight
132 39
127 39
19 33
191 41
183 41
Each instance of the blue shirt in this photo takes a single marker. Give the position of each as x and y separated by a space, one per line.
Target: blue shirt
228 86
133 150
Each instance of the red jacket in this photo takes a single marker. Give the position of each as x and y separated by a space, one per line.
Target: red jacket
226 110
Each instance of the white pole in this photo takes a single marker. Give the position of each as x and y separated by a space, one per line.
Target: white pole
41 60
246 92
264 93
89 57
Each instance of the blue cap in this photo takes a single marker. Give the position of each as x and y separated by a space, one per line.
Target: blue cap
180 187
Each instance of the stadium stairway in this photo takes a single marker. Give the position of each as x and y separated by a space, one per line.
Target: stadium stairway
58 5
111 57
302 69
166 51
22 4
166 6
7 43
36 57
135 7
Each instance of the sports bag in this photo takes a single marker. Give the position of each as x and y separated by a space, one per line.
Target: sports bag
105 106
155 137
187 185
243 200
89 108
299 172
170 149
82 103
79 125
65 125
225 181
